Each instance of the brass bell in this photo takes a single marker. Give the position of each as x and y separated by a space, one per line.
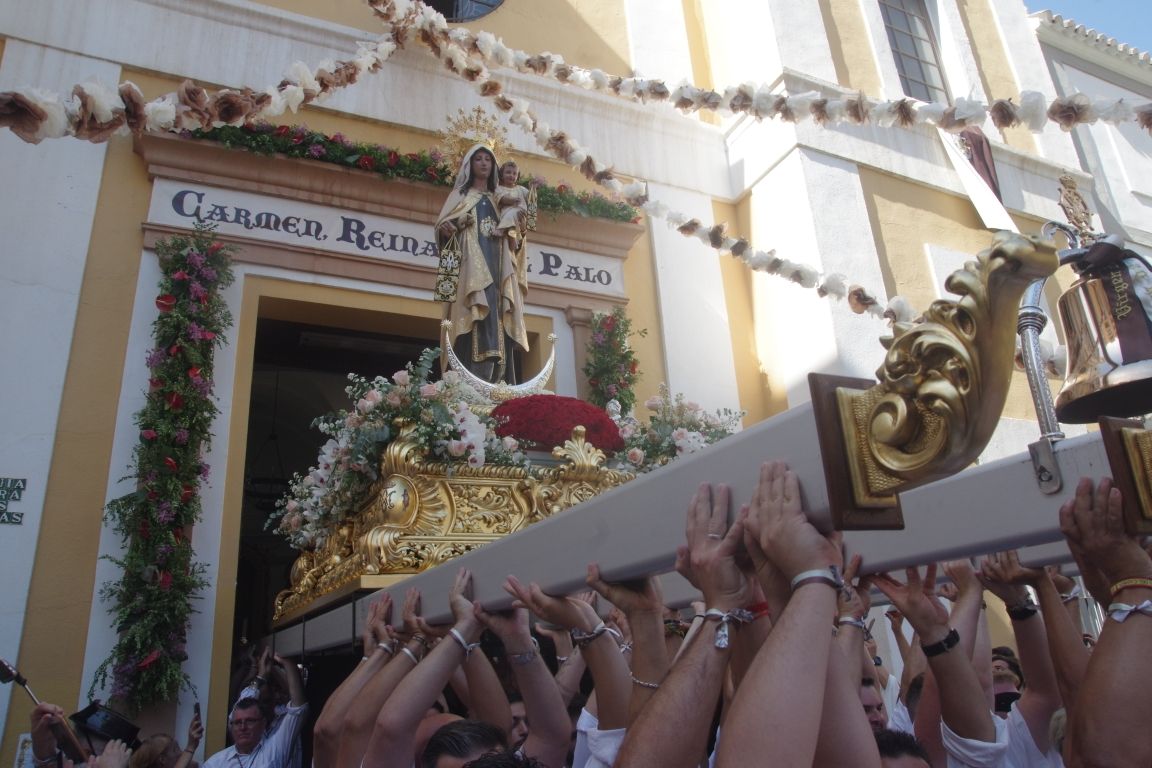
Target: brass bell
1107 319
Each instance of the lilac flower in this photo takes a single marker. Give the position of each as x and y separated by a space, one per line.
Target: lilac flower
164 513
341 139
151 477
436 155
262 126
205 469
202 386
598 338
196 290
208 274
156 357
317 150
195 259
181 437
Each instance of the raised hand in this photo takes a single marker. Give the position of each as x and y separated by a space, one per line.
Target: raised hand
1004 577
115 755
709 559
631 597
786 537
195 732
1093 523
563 611
854 600
916 599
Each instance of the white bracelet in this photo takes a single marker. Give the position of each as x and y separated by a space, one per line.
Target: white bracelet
830 576
1118 612
459 638
388 648
410 655
1068 597
582 639
851 621
740 616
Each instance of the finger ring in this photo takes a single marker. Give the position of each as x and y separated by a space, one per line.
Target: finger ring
715 536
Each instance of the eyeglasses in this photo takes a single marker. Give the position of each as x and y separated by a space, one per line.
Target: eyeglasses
247 722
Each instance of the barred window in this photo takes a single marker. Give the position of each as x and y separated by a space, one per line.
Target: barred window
464 10
914 48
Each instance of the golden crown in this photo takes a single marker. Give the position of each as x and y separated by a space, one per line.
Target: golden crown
468 129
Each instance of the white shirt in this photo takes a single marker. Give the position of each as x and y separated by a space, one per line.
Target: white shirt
898 717
595 748
970 753
1022 749
273 751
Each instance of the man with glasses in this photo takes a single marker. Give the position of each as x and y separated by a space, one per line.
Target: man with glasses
253 744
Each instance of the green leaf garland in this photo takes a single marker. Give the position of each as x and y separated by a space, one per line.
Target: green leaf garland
152 600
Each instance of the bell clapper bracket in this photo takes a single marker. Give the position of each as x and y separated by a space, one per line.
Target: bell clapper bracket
941 389
1129 447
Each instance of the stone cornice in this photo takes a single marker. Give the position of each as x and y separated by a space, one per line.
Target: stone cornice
1078 40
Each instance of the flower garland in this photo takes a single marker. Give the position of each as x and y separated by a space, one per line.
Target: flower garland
425 166
442 423
612 368
152 599
677 427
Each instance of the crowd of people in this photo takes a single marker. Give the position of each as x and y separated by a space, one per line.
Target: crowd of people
775 666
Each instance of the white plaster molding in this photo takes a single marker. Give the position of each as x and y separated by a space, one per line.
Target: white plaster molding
658 49
45 246
1084 42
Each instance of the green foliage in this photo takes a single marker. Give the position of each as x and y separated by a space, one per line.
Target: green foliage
152 600
612 368
424 166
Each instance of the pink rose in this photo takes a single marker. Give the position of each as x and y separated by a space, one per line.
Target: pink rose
654 403
371 398
679 434
393 398
292 505
429 391
635 456
627 431
401 378
511 444
457 448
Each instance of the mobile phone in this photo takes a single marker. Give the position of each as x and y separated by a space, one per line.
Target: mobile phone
196 709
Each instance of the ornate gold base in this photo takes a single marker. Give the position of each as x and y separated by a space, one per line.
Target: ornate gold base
422 515
1129 448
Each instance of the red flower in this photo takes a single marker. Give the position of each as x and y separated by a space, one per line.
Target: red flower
174 350
299 139
165 580
149 660
186 494
155 384
547 420
165 302
148 434
282 130
214 249
609 324
367 162
633 367
393 159
175 401
194 373
152 495
171 464
179 275
562 188
431 173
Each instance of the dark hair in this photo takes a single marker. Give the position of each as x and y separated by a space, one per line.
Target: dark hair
912 695
249 702
509 759
461 738
900 744
491 176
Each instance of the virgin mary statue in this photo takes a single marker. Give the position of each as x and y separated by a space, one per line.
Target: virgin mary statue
480 279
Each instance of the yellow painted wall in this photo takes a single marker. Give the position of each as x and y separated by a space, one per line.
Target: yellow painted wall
851 50
644 311
590 33
60 593
907 216
995 70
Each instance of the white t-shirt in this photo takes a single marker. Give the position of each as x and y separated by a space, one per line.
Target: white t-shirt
595 748
898 717
970 753
1022 749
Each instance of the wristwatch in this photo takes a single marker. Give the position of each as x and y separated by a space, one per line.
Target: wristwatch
942 646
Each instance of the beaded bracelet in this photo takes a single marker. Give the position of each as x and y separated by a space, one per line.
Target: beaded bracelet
644 683
1124 584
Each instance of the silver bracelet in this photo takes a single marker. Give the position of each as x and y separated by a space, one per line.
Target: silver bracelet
561 659
388 648
410 655
521 659
830 576
851 621
644 683
582 639
459 638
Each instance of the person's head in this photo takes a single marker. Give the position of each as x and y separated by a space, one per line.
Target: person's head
459 742
507 759
509 173
519 731
1006 671
247 724
481 171
901 750
873 704
157 751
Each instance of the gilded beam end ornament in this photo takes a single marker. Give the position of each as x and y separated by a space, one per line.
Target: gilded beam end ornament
940 390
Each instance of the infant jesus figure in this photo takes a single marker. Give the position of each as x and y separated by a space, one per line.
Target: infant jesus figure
516 205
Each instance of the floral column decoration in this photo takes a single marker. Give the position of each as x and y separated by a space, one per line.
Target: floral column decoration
612 369
152 600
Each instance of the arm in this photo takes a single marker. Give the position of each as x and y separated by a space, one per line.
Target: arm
391 744
778 707
330 723
670 732
195 734
1041 696
1065 642
643 605
551 730
962 704
1113 703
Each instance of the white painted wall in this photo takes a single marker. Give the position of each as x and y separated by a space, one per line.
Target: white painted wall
657 40
693 310
49 204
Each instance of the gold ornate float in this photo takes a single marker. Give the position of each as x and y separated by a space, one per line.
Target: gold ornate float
422 514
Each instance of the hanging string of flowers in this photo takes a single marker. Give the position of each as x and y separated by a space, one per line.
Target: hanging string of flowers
433 32
152 599
612 368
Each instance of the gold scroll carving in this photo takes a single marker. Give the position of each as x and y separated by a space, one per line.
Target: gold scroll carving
421 515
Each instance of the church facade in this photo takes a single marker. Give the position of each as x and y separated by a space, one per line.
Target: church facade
335 266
